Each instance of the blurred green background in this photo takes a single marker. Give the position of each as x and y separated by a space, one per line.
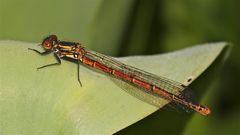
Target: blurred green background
138 27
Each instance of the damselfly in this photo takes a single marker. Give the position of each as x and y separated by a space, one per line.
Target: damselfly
150 83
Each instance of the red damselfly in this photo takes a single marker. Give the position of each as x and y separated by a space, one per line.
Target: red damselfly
150 83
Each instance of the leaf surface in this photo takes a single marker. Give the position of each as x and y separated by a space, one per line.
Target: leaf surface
50 100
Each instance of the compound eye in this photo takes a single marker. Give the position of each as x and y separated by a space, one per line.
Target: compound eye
47 44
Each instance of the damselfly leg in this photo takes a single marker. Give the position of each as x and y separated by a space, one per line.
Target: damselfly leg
53 64
78 72
41 53
57 57
45 53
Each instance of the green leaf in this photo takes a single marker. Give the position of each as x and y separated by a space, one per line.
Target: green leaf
50 100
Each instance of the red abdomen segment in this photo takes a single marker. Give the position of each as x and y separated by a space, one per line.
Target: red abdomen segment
87 61
102 67
121 75
142 84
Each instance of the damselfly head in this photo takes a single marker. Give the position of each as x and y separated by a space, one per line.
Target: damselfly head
49 42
